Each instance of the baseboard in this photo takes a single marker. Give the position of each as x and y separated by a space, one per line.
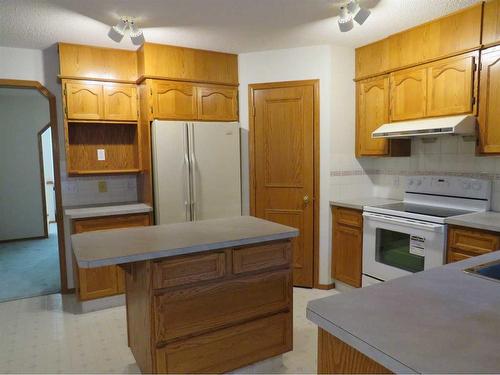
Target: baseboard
325 286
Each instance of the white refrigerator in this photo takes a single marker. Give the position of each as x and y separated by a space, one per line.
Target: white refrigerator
196 170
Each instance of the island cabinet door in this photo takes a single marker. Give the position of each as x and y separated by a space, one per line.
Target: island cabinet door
408 94
105 281
450 87
227 349
188 311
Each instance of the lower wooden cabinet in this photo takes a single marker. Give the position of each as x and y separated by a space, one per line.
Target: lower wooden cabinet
211 312
464 243
347 241
93 283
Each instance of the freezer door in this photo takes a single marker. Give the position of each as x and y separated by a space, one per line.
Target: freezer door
171 176
215 168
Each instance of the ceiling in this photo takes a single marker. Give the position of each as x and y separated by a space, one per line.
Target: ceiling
225 25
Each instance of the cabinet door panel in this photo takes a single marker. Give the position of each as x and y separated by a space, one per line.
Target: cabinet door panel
408 94
84 101
373 111
450 87
120 102
217 103
174 100
489 103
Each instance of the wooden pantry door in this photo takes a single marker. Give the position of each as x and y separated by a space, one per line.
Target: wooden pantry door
284 165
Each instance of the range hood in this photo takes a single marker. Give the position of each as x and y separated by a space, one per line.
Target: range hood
460 125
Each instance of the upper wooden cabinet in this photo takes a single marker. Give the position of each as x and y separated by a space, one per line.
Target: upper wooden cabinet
491 23
408 94
372 112
120 102
187 64
489 104
87 100
217 103
174 100
450 87
459 32
443 88
189 101
84 100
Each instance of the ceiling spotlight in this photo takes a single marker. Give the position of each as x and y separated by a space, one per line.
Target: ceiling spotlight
136 34
360 14
345 20
117 32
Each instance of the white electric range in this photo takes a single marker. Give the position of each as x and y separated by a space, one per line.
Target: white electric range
410 236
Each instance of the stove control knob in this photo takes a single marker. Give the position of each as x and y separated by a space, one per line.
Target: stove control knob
411 182
466 185
419 182
476 186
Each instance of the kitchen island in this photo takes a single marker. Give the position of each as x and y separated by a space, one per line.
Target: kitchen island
438 321
206 296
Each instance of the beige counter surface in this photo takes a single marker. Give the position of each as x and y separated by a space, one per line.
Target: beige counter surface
361 202
120 246
81 212
489 220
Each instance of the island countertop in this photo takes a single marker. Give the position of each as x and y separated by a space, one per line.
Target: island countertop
438 321
120 246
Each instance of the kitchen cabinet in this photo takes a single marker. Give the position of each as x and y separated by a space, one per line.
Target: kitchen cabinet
442 88
491 23
372 59
372 112
92 100
347 241
464 243
93 283
174 100
450 86
193 101
217 103
489 108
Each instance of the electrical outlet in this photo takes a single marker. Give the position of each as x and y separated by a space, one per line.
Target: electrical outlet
102 186
101 154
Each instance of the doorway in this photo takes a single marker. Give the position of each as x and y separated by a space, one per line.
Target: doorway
32 259
284 165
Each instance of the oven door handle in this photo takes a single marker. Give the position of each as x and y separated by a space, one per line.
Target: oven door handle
406 222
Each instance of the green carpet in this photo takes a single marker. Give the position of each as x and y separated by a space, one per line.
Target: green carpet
29 268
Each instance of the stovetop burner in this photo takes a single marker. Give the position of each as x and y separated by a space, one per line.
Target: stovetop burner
427 210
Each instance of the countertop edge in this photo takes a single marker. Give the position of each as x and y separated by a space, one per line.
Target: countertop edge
184 251
371 352
111 212
470 224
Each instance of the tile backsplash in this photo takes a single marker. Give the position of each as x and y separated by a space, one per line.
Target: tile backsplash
385 177
85 190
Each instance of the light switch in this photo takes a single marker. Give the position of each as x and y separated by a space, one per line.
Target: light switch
102 186
101 154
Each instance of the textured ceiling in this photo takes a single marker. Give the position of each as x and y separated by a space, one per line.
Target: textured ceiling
225 25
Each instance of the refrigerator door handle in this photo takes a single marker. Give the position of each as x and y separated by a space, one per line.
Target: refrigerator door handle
187 190
193 172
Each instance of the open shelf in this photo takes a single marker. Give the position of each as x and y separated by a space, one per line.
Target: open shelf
118 140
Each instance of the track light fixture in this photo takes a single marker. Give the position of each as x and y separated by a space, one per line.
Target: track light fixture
118 31
352 11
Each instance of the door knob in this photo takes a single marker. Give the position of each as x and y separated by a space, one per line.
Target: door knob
306 199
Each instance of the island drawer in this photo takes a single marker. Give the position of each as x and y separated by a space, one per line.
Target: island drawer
189 269
262 257
474 242
347 216
202 308
228 349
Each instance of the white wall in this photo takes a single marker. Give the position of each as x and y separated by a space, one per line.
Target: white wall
23 114
334 67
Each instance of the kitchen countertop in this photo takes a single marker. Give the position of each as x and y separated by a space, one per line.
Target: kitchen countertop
82 212
360 203
438 321
119 246
489 220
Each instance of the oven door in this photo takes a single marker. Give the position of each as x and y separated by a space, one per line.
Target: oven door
395 247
